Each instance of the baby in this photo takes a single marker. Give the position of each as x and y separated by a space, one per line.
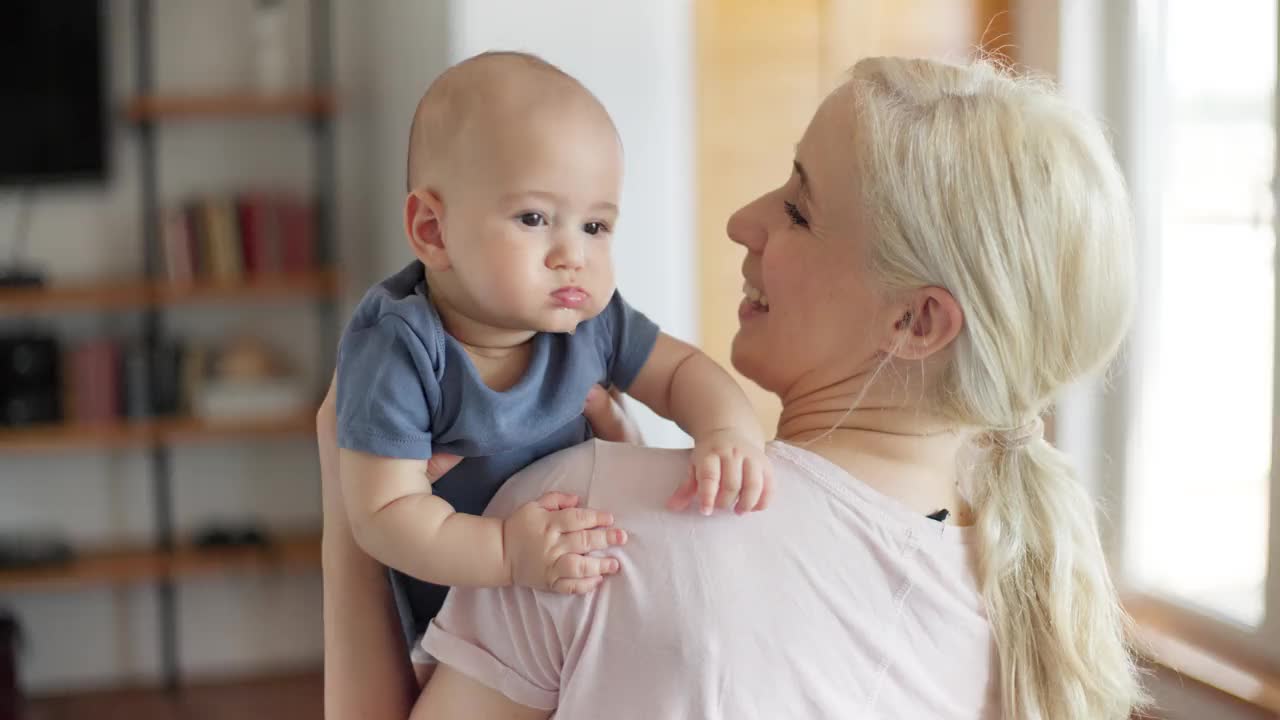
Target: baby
487 345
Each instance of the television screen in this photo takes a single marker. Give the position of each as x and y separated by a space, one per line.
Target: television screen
52 92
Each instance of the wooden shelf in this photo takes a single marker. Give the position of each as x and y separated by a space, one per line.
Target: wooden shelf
227 105
141 433
307 283
125 294
128 566
194 430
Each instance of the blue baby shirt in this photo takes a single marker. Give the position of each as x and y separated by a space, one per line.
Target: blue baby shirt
407 389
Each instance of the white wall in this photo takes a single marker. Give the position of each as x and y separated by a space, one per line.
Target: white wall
637 58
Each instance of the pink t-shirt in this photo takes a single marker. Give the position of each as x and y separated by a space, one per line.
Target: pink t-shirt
837 601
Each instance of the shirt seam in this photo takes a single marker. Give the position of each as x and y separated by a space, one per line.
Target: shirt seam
395 440
909 552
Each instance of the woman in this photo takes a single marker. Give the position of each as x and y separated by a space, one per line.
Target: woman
951 249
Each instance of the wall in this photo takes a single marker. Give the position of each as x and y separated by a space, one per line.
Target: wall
763 67
636 58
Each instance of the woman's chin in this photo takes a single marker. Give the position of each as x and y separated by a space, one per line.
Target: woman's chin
741 356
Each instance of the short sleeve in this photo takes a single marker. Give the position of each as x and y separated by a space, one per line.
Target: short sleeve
382 402
511 639
631 337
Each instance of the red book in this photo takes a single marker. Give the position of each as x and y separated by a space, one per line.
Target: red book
95 382
298 235
196 238
250 239
79 385
106 379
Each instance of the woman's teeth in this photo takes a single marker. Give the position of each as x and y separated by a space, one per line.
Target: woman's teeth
756 297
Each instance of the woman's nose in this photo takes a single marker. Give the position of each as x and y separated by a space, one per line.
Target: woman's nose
746 227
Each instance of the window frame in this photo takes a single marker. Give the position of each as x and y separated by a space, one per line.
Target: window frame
1111 61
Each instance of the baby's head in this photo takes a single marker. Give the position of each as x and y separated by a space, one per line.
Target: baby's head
515 171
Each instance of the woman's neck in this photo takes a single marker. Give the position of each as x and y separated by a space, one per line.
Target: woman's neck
899 450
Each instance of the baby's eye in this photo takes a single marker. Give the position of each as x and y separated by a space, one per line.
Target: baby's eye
533 219
595 228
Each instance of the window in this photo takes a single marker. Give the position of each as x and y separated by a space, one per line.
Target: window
1198 490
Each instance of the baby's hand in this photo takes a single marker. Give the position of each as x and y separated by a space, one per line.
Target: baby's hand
729 469
546 542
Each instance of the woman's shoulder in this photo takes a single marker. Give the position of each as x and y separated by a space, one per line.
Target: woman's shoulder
603 474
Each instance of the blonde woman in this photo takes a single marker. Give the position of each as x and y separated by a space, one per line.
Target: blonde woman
951 248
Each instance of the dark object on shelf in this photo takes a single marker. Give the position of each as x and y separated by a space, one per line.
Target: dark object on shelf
53 68
10 694
30 380
33 550
149 380
219 536
16 276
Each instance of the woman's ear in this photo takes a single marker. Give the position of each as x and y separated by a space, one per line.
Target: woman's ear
423 218
925 326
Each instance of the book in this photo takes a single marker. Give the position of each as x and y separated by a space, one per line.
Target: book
297 235
192 372
135 391
93 385
222 241
198 234
176 245
249 221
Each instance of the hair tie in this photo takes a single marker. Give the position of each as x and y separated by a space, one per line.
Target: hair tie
1014 438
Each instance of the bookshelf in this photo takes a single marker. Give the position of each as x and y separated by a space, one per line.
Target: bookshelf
243 105
134 565
126 434
133 294
151 295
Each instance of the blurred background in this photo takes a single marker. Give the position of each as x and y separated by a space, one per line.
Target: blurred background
193 194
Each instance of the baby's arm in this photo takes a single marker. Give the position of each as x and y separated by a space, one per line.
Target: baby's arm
396 519
680 383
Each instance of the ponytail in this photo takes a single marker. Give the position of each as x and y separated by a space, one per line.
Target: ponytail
1057 620
997 190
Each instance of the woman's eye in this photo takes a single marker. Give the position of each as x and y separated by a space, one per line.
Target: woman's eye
595 228
793 212
533 219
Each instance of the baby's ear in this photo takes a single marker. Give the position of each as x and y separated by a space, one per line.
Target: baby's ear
423 218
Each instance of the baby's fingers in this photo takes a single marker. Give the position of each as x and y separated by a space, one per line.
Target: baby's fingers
766 493
684 495
557 501
571 567
575 519
576 586
752 486
708 470
585 541
731 477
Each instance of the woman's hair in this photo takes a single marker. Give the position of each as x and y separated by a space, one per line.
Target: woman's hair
996 189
